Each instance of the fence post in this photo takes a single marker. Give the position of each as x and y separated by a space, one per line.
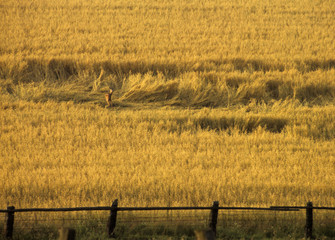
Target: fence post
214 216
9 227
309 221
112 219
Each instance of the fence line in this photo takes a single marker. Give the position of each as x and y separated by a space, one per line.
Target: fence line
77 209
114 209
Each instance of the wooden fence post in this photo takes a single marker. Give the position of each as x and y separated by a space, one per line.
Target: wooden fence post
214 216
9 227
112 219
309 221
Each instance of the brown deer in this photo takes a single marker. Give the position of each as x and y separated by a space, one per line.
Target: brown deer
204 234
67 234
108 97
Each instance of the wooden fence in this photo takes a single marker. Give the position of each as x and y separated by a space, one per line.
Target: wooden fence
114 209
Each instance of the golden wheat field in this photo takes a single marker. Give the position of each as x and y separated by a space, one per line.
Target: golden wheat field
212 100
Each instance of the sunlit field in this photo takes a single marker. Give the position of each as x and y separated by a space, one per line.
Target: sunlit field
212 100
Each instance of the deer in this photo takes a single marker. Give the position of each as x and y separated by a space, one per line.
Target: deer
207 234
108 97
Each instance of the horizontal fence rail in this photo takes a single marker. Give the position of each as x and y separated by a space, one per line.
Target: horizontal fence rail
114 209
77 209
